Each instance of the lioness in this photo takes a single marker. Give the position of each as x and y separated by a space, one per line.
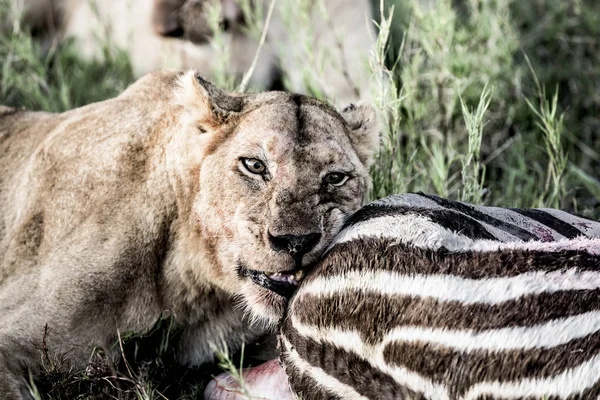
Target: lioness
174 196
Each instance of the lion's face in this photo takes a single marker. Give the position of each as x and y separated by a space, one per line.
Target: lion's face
188 18
278 176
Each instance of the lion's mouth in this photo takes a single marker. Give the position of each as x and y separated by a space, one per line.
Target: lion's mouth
283 283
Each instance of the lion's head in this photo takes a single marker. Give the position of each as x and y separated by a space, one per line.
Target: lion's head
188 18
272 178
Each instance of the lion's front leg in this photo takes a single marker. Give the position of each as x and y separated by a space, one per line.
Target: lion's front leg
224 331
81 297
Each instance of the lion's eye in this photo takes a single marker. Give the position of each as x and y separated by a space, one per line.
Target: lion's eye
254 165
335 178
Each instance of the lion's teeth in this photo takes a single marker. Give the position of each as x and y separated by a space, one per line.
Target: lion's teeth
278 276
292 279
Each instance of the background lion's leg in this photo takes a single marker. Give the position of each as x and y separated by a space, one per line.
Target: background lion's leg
12 387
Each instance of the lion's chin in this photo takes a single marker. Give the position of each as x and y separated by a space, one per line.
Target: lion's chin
266 307
267 293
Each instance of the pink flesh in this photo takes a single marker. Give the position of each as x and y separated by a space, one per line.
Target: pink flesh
267 381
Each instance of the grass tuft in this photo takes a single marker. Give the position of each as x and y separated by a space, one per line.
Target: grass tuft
472 178
552 126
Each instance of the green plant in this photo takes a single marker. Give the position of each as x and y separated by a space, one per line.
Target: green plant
472 179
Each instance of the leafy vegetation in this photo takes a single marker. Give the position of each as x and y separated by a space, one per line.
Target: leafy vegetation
536 119
51 76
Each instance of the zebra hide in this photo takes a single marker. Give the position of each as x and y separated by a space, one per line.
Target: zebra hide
379 319
423 297
432 222
426 298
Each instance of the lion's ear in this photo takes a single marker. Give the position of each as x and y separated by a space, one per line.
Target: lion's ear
207 105
364 131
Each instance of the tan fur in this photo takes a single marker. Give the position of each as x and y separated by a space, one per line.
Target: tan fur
340 44
115 213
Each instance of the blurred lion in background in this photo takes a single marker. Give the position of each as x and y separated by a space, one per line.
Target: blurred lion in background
312 46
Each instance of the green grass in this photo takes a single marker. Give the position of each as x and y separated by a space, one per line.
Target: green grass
57 79
536 149
489 101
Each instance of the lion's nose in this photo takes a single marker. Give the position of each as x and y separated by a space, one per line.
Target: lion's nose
297 246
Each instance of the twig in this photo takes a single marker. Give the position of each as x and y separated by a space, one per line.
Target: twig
129 371
243 85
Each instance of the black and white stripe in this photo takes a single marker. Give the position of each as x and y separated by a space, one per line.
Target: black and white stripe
432 222
425 298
